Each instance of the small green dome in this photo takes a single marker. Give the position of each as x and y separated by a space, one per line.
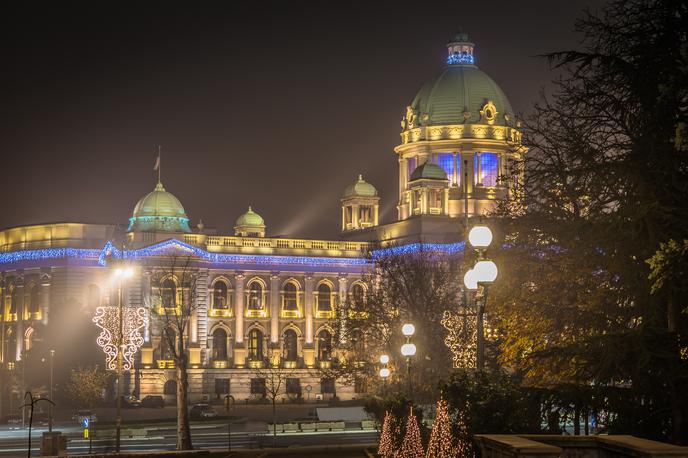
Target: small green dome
159 211
250 218
360 188
428 171
459 92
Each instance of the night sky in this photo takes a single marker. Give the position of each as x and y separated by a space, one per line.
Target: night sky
274 104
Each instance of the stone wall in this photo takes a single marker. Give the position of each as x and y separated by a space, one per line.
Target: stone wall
550 446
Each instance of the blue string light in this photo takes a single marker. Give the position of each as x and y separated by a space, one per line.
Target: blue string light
49 253
447 248
172 245
457 58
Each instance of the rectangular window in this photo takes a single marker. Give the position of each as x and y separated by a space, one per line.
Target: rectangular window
410 167
446 161
293 386
258 386
221 386
487 170
327 386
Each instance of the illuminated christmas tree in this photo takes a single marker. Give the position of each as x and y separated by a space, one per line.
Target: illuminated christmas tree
386 447
411 447
464 447
442 442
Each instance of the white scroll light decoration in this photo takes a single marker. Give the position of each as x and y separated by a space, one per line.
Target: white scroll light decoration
107 319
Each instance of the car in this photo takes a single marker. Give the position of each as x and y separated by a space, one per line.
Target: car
81 416
202 412
130 402
153 401
13 421
41 420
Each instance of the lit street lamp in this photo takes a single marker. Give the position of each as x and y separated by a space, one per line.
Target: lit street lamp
483 274
50 406
408 349
121 273
384 372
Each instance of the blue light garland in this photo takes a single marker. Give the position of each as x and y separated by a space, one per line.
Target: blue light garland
170 246
49 253
457 58
447 248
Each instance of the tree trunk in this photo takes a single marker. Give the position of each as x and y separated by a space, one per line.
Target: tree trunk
183 429
274 424
576 420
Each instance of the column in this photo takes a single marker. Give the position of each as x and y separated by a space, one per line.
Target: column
239 348
403 165
145 295
343 218
239 307
308 347
354 216
19 284
308 304
445 200
274 307
477 169
375 214
341 299
456 168
45 296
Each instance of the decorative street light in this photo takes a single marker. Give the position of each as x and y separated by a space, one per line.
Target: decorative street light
384 372
483 274
50 406
408 349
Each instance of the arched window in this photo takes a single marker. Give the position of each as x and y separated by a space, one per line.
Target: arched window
290 352
290 302
324 345
168 293
324 298
357 293
219 344
34 304
255 345
167 340
255 296
220 299
28 339
13 300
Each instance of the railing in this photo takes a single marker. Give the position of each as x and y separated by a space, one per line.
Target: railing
220 364
165 364
217 243
223 313
255 363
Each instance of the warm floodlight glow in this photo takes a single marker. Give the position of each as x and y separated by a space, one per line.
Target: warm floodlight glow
118 272
384 372
128 272
480 236
408 329
384 359
408 349
485 271
470 280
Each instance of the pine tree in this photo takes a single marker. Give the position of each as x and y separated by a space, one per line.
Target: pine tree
464 446
442 442
411 447
386 447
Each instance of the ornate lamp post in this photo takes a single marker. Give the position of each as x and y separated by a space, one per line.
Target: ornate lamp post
408 349
120 337
384 372
483 274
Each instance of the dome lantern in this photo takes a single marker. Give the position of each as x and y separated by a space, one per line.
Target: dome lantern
460 50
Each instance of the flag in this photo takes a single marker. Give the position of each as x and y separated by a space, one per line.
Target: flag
157 162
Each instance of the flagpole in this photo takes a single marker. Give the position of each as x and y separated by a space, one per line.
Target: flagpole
159 148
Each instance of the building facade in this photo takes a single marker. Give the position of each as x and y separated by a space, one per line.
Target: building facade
264 301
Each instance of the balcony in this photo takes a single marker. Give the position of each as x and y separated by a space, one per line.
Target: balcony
256 313
220 364
289 364
165 364
325 364
220 313
324 314
256 363
290 314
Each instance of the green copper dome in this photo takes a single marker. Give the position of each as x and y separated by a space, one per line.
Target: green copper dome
428 171
459 92
250 218
360 188
159 211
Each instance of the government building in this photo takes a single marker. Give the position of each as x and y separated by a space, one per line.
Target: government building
257 293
